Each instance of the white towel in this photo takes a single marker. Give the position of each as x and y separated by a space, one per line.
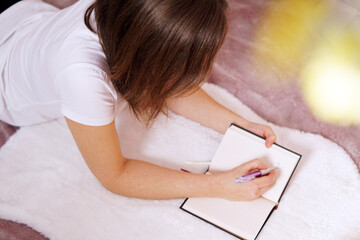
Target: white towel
45 183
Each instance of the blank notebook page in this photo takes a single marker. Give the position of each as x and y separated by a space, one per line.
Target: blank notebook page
243 219
239 146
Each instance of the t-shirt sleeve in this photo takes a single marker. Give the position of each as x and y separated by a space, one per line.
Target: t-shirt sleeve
86 95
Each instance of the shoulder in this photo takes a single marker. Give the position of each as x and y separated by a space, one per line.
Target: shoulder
86 76
86 94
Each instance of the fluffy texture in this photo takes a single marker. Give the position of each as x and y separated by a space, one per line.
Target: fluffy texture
46 184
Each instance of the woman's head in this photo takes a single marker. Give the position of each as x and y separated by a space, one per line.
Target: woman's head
158 49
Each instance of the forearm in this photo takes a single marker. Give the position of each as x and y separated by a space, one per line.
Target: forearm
200 107
145 180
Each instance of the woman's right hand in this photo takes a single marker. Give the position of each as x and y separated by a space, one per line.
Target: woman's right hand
225 186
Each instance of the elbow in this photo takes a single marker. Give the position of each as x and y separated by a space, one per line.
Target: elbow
115 187
110 186
121 181
119 188
115 183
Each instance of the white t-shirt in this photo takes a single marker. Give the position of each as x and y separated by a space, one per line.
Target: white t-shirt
52 65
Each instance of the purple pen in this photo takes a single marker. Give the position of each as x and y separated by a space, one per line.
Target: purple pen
251 176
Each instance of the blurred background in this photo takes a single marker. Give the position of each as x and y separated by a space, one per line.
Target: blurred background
296 63
318 43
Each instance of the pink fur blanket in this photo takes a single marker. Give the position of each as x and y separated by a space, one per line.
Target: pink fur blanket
234 71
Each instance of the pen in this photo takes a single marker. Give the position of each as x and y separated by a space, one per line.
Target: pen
251 176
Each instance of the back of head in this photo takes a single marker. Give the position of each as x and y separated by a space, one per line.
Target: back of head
158 49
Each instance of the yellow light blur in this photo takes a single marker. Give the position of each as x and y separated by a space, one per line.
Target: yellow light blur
307 39
331 81
284 33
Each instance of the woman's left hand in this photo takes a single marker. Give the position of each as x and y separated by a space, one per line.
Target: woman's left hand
263 131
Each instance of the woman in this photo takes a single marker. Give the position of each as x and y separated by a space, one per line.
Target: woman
87 61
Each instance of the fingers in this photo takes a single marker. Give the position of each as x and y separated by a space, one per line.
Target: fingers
269 136
245 191
264 131
262 184
265 181
253 164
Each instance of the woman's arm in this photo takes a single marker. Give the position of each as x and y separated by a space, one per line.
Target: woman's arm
200 107
100 147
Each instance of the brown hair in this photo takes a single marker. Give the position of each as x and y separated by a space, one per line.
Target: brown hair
157 49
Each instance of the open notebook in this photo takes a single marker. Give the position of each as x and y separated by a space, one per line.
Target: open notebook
244 219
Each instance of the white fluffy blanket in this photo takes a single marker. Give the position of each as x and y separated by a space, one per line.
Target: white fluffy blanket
45 183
